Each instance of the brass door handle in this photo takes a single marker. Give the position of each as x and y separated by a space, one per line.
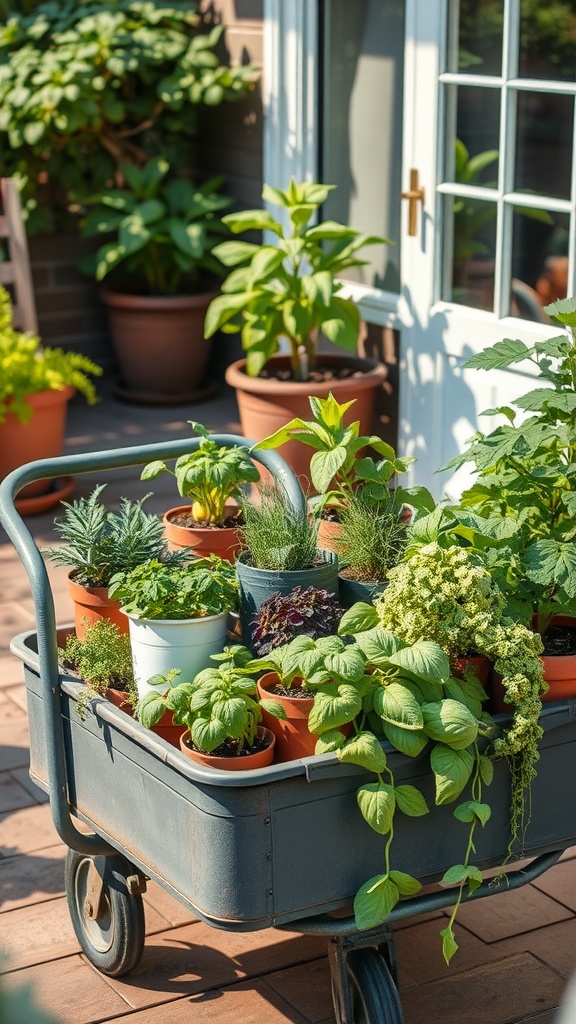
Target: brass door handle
414 195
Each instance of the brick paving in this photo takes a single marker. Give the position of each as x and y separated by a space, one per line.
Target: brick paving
517 949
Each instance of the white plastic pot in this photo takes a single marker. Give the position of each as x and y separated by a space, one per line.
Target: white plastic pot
159 645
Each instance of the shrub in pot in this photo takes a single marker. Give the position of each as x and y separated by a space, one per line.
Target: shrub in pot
164 272
209 477
524 495
289 289
99 543
219 712
102 658
36 384
177 615
281 553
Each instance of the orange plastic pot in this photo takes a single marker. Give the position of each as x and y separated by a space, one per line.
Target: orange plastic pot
245 762
42 437
166 729
216 540
478 664
119 698
293 738
92 604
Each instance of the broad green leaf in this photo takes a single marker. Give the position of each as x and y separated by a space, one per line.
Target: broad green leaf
329 742
423 658
410 801
452 769
365 750
394 703
324 466
274 707
450 722
407 742
563 311
455 875
378 645
407 884
377 804
449 944
374 901
234 252
357 619
471 809
334 706
486 770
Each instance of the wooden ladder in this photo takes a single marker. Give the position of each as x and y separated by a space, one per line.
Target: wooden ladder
15 271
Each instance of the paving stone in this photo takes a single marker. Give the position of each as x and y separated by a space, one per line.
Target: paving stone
554 945
11 671
32 879
16 695
27 830
419 953
197 957
12 795
306 987
37 934
174 912
14 619
506 990
70 991
14 743
22 775
510 913
247 1003
560 883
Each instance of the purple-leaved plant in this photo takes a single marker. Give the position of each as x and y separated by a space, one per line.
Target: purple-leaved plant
303 612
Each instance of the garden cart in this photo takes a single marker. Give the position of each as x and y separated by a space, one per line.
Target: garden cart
235 840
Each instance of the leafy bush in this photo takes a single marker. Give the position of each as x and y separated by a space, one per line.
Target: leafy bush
88 87
156 590
26 368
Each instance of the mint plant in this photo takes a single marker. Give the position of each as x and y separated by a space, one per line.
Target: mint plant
525 491
288 288
209 476
157 590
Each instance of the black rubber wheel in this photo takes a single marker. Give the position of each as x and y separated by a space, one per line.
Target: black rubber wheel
373 994
114 942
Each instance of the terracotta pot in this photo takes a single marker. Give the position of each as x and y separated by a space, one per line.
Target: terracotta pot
266 405
159 340
293 740
329 533
92 604
215 540
246 762
119 698
41 438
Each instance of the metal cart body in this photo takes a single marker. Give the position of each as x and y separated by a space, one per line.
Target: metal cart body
246 850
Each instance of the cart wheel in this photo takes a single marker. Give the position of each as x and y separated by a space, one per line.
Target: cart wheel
373 995
114 940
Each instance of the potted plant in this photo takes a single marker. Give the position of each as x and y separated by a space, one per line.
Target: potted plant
280 552
340 467
177 615
288 289
164 232
99 543
77 107
210 478
36 384
304 611
447 595
102 659
373 538
220 714
524 495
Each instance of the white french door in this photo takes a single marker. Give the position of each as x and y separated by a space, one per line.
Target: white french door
468 108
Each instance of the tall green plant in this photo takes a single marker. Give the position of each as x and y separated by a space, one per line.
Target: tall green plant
276 535
87 88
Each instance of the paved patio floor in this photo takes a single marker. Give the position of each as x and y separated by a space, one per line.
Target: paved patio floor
517 950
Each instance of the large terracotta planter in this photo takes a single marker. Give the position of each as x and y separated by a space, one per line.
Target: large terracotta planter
159 342
293 739
246 762
220 540
92 604
42 437
266 405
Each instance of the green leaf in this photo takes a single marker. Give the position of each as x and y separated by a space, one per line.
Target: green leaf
365 750
274 707
325 465
452 769
410 801
407 742
360 617
424 658
450 722
330 741
471 809
377 804
407 884
499 356
394 703
486 770
334 706
449 944
374 901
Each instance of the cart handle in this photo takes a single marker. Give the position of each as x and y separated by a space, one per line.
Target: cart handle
65 465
